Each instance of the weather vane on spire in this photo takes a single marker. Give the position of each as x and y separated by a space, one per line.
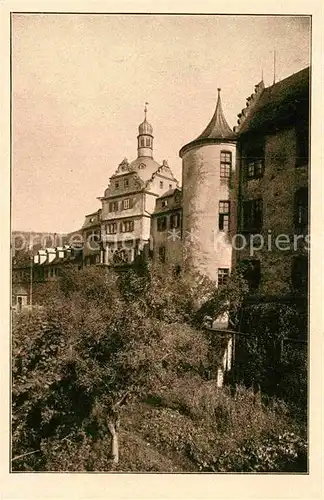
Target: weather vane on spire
145 109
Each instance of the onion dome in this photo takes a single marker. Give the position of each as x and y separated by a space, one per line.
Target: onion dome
218 130
145 127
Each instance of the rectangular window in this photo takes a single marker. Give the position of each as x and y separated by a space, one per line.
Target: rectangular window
162 254
113 206
161 184
251 271
252 215
111 228
175 221
126 204
224 216
222 276
301 210
299 273
254 161
128 226
116 185
225 164
126 183
164 203
302 145
161 223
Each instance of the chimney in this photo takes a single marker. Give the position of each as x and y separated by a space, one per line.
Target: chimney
42 256
60 252
51 254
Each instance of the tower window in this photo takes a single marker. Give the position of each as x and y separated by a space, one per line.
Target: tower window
224 215
148 142
142 142
225 164
222 276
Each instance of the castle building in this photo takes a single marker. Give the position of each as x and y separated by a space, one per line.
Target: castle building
129 201
250 182
208 198
91 236
166 230
273 162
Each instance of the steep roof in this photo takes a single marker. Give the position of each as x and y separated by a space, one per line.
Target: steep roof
278 104
217 129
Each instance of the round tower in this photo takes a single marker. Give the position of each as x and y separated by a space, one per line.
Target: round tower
208 167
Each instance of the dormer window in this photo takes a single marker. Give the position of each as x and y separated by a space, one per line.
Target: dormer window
164 203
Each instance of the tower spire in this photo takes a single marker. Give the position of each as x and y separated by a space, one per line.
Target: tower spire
218 126
145 137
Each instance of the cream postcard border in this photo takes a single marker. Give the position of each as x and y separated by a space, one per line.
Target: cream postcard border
172 486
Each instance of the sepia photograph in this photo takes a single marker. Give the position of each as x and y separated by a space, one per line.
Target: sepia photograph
160 241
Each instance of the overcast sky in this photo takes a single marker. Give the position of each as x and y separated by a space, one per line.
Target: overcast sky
79 84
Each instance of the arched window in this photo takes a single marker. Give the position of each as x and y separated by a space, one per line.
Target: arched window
142 142
148 142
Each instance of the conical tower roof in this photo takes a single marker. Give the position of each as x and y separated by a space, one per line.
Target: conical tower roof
217 129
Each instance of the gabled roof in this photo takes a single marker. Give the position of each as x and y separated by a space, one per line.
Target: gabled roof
170 192
280 103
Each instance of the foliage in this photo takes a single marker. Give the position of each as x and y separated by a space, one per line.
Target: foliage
267 357
112 348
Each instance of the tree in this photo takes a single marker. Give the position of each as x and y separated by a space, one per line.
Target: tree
77 362
91 366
